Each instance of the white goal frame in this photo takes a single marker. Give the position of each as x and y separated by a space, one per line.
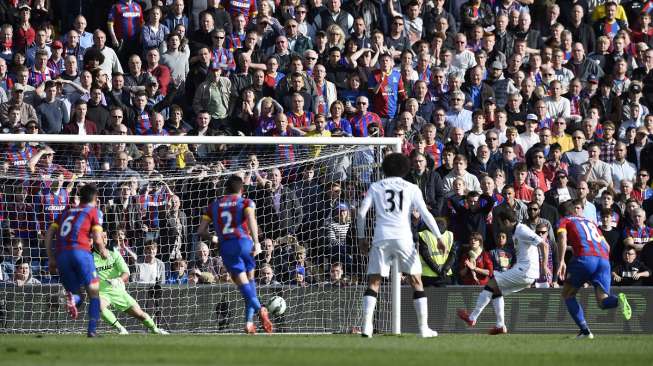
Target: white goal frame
394 142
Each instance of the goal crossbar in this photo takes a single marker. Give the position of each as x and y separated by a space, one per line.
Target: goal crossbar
231 140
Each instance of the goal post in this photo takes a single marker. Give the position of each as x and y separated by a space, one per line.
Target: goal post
300 215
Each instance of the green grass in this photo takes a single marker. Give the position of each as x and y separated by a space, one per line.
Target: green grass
339 350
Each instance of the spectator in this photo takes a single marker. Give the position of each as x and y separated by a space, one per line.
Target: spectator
23 274
10 260
205 263
27 112
436 261
631 271
639 234
178 274
475 263
266 276
337 276
151 270
429 181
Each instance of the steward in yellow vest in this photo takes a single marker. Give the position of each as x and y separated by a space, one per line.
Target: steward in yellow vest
436 262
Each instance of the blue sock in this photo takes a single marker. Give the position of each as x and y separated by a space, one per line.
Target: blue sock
249 310
251 301
609 302
93 314
77 299
576 312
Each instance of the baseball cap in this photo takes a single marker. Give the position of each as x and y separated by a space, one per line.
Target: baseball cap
342 206
490 100
18 87
635 88
531 117
151 80
24 6
561 173
592 79
497 65
57 44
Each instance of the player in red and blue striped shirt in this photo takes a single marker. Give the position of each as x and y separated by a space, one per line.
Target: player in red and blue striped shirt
234 220
590 263
248 8
126 20
72 258
361 120
51 202
386 88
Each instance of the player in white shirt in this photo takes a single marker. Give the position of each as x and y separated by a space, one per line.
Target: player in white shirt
394 200
522 274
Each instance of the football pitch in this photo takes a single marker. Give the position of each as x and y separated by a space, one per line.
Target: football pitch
339 350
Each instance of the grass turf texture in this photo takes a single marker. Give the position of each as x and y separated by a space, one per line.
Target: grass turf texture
448 349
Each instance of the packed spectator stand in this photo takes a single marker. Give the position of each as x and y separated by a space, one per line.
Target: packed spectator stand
501 105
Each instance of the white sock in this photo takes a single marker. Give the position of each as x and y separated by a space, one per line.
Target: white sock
484 298
369 303
499 305
422 311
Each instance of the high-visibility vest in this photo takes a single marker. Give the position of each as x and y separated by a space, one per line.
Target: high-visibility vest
439 257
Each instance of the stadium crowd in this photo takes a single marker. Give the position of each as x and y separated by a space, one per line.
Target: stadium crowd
515 105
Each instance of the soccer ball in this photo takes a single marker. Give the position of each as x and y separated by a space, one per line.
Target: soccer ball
277 305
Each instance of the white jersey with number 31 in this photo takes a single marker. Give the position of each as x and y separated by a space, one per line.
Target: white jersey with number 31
394 199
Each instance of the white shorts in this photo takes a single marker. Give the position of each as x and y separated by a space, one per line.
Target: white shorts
512 280
383 252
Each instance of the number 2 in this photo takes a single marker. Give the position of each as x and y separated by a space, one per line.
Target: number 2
390 198
227 219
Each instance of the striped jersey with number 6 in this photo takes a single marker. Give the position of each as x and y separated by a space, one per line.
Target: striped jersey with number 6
227 214
584 237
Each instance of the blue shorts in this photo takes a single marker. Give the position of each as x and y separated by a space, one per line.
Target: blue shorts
595 270
76 268
237 255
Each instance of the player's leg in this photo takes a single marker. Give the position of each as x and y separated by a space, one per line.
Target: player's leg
490 291
378 267
601 281
93 292
70 281
236 256
108 316
420 301
136 312
254 306
369 304
578 273
249 309
85 268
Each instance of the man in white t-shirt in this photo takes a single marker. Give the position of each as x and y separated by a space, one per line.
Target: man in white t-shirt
394 199
522 274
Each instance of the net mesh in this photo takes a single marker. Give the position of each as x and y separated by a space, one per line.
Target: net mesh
306 196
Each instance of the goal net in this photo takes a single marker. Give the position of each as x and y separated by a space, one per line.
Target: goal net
153 192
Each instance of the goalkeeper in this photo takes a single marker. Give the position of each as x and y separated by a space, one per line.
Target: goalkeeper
113 273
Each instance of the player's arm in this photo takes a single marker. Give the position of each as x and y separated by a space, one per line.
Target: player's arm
112 32
562 248
544 249
250 214
49 236
361 214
